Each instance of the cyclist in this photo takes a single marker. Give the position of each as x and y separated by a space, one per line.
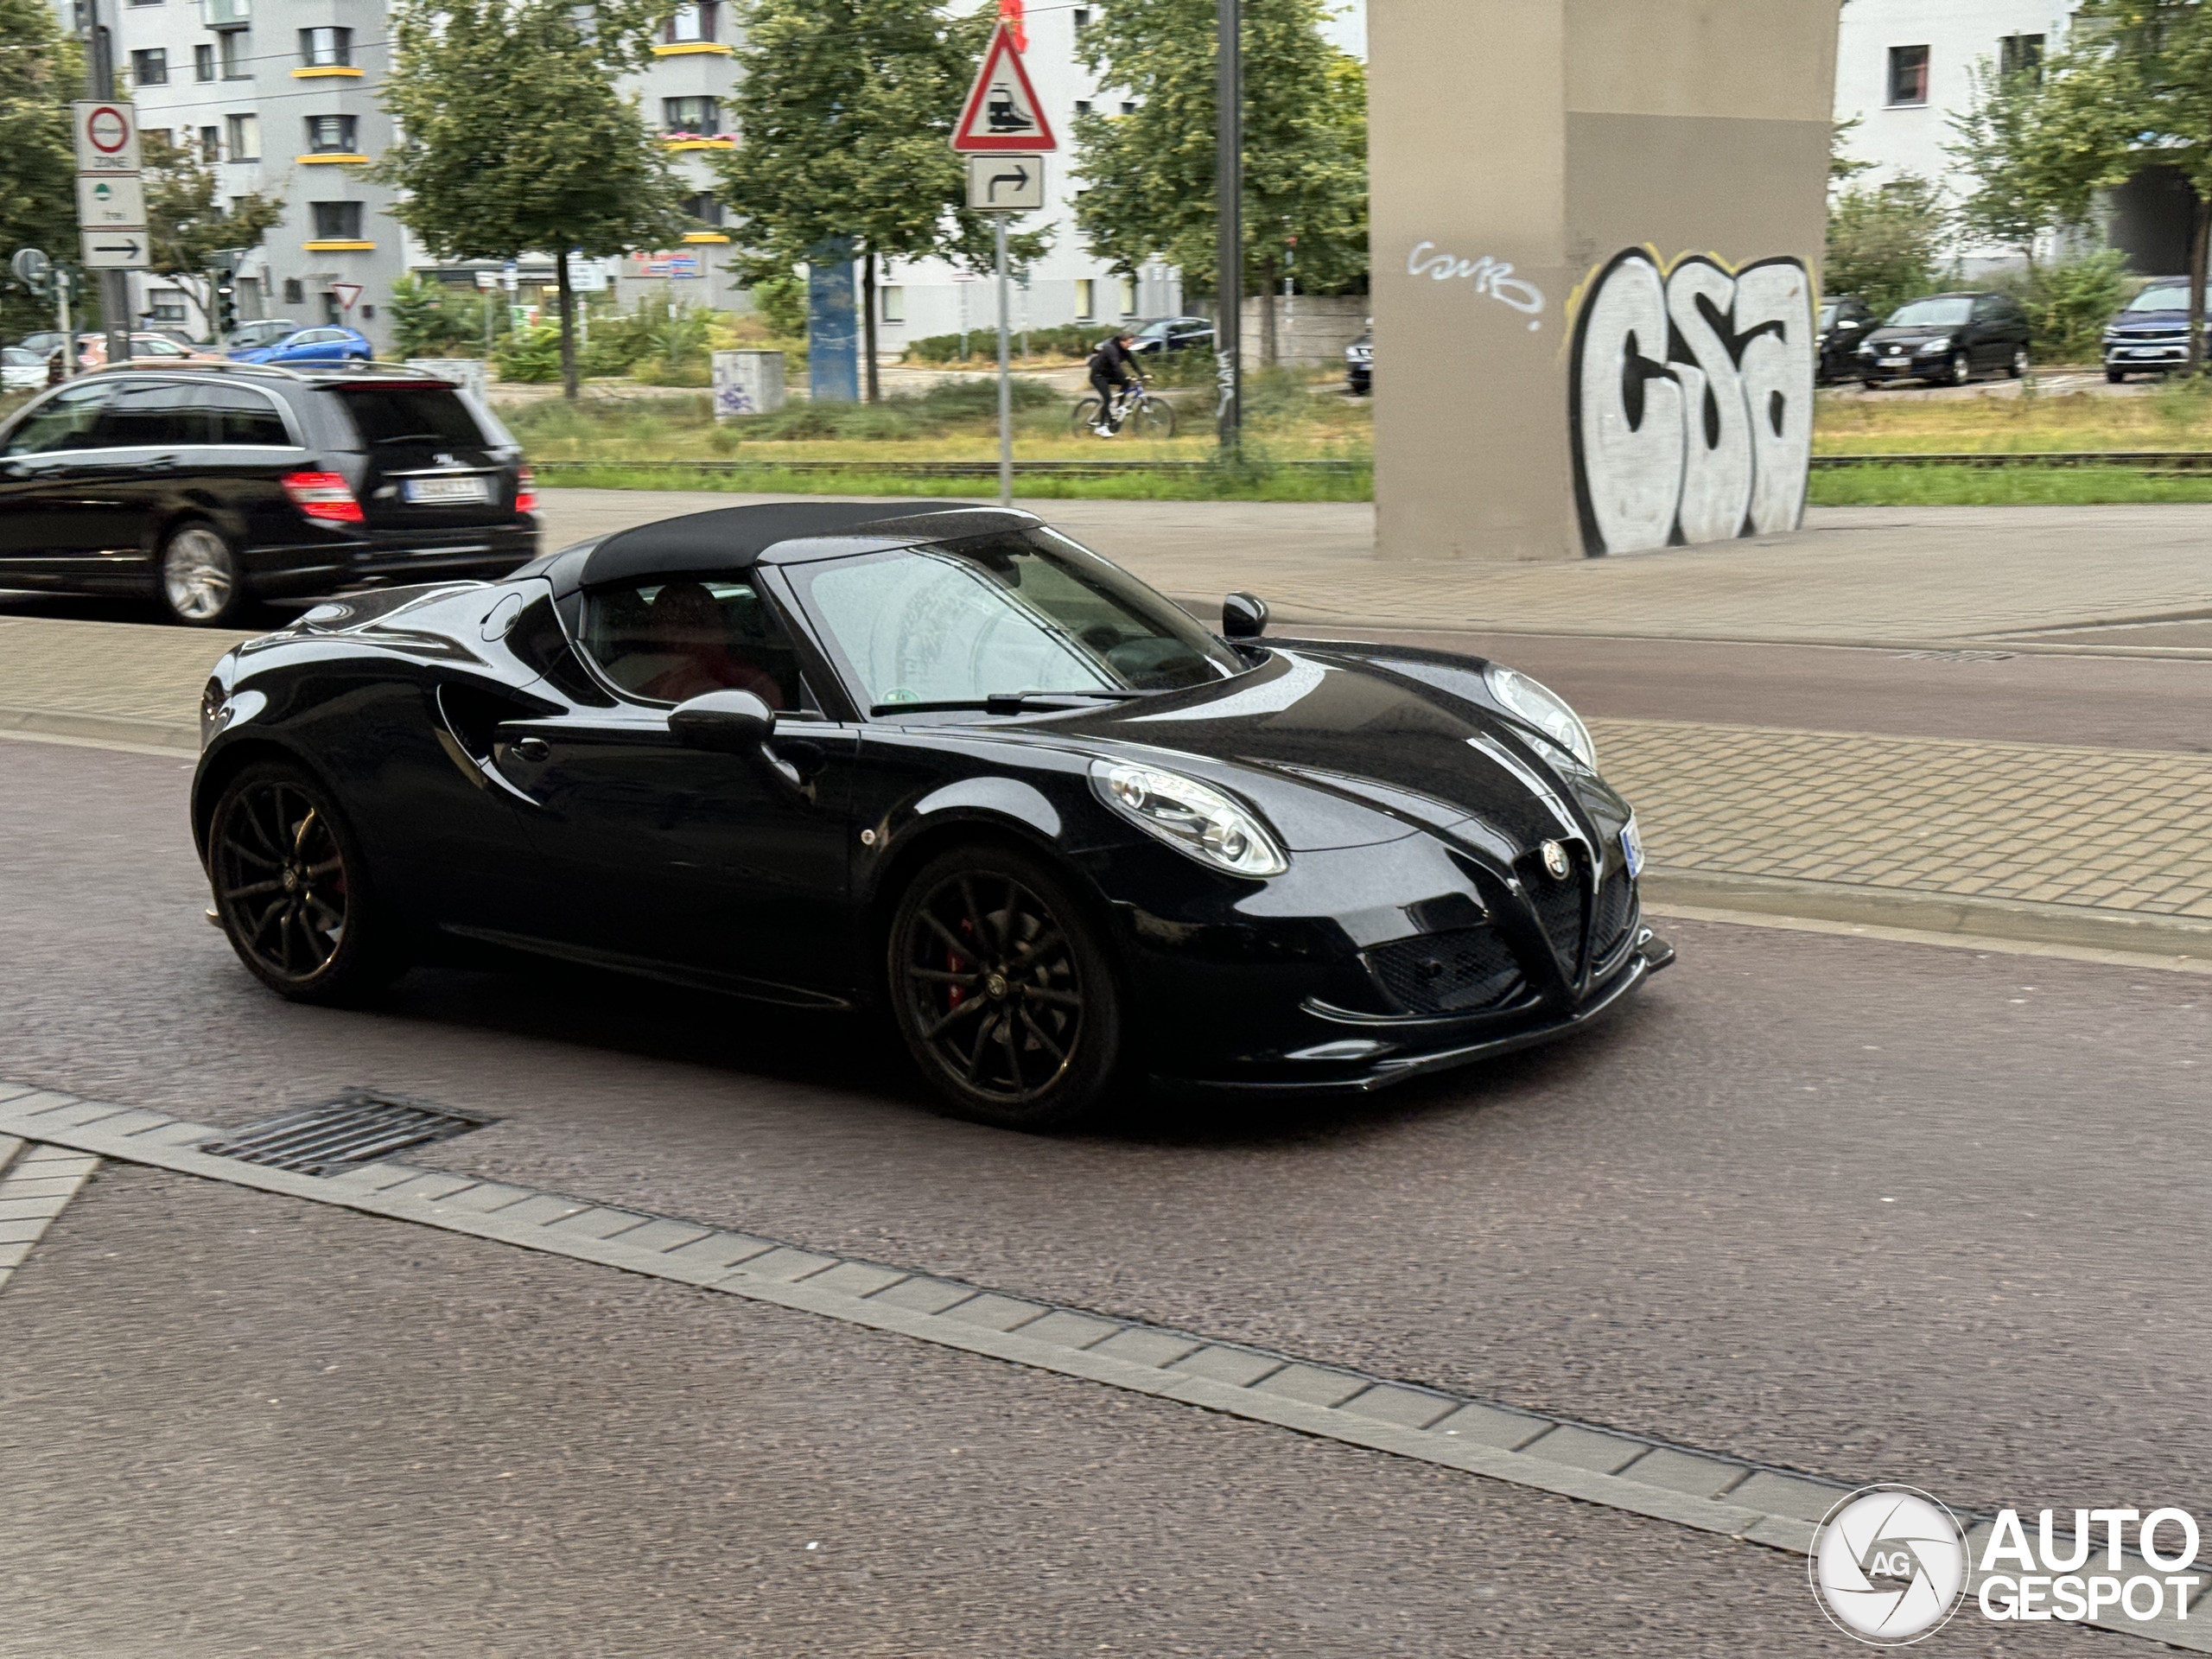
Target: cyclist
1111 368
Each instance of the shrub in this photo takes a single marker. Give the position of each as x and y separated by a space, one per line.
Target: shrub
529 354
2069 301
1887 243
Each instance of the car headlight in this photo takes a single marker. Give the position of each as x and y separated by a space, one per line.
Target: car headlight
1931 347
1866 348
1543 708
1191 816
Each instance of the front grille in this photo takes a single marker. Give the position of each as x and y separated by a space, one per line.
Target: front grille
1454 972
356 1128
1561 906
1615 899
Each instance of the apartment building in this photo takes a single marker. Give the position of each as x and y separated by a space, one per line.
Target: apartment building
1905 67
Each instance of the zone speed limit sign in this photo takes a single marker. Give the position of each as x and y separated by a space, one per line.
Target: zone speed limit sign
107 137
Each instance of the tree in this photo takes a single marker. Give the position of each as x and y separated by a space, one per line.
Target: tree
39 72
2134 88
1149 176
512 138
842 115
186 227
2020 186
1887 241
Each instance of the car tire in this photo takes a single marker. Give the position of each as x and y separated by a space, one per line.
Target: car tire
292 890
2017 368
197 578
1962 369
1044 1045
2115 377
1871 385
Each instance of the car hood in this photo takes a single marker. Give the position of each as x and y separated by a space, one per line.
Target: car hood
2149 322
1912 336
1343 747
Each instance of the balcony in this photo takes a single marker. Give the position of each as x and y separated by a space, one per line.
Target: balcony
226 13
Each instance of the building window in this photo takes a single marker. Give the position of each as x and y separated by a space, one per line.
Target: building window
331 135
211 145
894 303
1908 74
1128 296
1127 108
230 51
326 48
165 305
203 60
699 116
241 137
1082 16
2020 54
691 23
336 221
294 293
705 207
1083 106
151 69
1086 299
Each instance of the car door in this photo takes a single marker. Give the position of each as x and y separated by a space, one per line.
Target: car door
1985 339
664 856
151 436
47 519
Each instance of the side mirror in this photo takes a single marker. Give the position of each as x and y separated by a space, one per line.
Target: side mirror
730 722
1244 616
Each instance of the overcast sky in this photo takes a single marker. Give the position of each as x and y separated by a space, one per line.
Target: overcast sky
1350 28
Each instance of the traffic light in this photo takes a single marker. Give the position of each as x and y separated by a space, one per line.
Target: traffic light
223 276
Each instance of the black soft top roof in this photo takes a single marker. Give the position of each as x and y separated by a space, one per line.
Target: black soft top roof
733 538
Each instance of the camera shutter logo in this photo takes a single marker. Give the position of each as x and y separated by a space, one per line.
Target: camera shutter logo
1889 1565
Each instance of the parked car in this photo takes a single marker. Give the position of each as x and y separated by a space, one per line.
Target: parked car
1845 319
1359 364
939 761
204 487
1174 334
178 335
20 370
145 348
262 331
327 344
2151 332
1947 339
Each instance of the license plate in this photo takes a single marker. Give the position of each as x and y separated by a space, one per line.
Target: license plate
1632 849
443 491
2144 353
1893 362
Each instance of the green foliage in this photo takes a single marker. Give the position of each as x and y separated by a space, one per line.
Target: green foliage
781 298
2069 301
186 224
532 355
1067 340
1886 243
512 136
39 72
1250 481
431 320
844 107
2022 185
1843 169
1151 172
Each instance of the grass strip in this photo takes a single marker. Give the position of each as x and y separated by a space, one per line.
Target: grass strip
1986 487
1251 483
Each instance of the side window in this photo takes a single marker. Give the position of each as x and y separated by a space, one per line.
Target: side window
668 641
63 422
139 417
242 416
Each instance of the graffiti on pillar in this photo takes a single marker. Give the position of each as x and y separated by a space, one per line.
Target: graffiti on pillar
1493 276
1691 399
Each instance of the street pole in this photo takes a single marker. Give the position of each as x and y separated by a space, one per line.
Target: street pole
68 336
1229 194
1006 383
115 285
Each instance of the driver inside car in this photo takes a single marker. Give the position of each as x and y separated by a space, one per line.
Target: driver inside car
688 625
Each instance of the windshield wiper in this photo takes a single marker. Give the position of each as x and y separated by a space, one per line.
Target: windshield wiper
1004 703
424 437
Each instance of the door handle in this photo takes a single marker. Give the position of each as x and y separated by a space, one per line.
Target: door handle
532 749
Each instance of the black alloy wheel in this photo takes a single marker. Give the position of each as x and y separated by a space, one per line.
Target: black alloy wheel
1001 991
291 890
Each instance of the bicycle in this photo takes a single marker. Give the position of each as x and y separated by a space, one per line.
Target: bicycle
1141 412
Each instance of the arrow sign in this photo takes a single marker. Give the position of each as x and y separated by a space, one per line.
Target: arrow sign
1003 113
113 251
1006 184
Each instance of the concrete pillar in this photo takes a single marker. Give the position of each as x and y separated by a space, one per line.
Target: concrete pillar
1596 233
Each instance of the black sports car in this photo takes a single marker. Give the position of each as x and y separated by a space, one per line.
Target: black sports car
939 760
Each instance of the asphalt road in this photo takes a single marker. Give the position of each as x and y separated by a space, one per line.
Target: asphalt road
1866 1209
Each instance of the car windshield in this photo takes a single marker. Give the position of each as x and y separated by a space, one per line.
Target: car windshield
1029 610
1932 314
2174 298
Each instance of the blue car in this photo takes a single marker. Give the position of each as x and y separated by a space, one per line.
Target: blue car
2152 334
326 344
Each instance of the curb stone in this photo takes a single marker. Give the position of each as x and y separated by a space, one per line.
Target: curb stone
1730 1497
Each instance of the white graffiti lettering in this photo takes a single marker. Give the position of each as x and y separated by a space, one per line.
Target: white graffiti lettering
1493 276
1692 394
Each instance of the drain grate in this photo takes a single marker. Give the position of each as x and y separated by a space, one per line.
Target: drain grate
357 1128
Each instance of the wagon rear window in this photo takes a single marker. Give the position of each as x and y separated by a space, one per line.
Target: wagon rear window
384 415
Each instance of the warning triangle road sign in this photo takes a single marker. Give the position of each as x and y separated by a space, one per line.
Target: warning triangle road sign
1003 112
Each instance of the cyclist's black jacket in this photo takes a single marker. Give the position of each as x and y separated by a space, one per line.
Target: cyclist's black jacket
1114 360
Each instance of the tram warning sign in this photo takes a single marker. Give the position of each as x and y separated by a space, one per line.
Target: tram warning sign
1003 114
